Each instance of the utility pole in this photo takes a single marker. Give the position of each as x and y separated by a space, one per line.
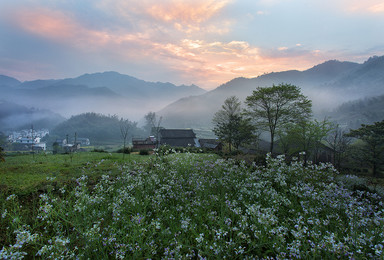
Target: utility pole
33 142
75 140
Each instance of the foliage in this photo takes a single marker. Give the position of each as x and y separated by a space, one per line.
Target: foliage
125 150
2 145
304 137
373 137
273 107
196 206
97 127
2 154
144 152
230 125
339 142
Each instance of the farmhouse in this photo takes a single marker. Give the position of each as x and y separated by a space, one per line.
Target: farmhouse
211 144
144 143
178 138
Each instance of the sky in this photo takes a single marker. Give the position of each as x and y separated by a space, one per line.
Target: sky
202 42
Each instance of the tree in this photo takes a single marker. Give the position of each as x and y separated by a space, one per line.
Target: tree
373 138
125 126
338 141
2 154
230 125
273 107
152 125
2 144
305 136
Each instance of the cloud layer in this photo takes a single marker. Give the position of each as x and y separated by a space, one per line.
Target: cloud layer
205 42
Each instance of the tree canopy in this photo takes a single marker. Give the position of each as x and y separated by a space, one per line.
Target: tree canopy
276 106
98 128
230 125
373 138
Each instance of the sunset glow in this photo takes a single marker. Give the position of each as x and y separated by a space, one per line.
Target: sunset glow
202 42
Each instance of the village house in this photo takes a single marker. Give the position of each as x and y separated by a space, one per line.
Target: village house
144 143
178 138
211 144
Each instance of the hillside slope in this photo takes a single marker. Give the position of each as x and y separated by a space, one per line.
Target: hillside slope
328 85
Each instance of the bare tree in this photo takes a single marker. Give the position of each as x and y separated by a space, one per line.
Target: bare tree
153 125
125 126
338 141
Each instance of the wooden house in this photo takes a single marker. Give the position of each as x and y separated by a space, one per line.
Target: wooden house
178 138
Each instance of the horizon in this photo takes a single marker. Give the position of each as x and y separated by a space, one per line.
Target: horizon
102 72
199 42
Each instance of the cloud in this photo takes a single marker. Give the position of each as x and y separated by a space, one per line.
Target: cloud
185 12
358 6
198 41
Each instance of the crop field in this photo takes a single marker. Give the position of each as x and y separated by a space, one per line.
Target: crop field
184 206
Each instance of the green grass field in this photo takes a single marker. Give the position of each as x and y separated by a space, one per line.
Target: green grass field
24 174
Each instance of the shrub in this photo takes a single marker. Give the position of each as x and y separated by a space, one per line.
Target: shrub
144 152
99 150
127 150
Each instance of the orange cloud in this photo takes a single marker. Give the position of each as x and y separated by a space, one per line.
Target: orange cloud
186 12
46 23
366 6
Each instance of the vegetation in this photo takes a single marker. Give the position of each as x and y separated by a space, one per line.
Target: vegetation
373 147
231 126
273 107
304 137
100 129
187 206
125 127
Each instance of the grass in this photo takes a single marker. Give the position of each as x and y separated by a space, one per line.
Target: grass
24 174
189 206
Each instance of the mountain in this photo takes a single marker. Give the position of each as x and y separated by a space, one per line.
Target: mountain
14 117
6 81
362 111
107 93
328 85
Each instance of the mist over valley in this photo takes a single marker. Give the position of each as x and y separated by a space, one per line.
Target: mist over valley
333 86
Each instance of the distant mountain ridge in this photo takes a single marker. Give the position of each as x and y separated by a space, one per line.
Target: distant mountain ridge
328 85
107 92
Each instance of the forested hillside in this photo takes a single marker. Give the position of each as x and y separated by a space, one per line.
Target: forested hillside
100 129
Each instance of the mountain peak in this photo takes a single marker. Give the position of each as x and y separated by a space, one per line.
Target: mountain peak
8 81
332 68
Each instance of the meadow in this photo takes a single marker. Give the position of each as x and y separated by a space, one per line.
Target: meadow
184 206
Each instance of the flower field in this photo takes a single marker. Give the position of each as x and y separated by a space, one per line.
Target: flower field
188 206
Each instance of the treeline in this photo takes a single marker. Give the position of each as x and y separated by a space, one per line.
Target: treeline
284 114
99 128
363 111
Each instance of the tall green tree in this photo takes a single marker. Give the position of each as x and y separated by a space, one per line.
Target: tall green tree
373 149
274 107
230 125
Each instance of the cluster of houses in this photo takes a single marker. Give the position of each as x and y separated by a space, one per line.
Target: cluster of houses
70 144
175 138
29 139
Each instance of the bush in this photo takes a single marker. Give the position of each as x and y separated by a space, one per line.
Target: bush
127 150
144 152
99 150
2 154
